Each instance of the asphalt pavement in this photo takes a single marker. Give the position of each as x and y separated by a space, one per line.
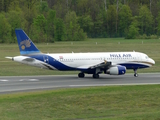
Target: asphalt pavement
33 83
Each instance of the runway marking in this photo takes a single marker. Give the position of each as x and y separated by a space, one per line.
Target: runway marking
4 80
32 80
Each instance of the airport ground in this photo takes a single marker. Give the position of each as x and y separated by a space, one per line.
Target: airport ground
109 102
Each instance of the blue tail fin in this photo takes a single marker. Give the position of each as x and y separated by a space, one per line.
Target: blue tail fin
26 46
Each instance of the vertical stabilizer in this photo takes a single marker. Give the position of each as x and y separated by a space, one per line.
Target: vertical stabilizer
26 46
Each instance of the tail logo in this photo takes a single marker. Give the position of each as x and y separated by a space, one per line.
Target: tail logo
25 43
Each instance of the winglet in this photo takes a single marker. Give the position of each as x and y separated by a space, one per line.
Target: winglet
26 46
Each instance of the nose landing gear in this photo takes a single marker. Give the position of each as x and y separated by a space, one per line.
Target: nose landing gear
135 73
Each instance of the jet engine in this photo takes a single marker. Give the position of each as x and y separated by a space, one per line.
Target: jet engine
116 70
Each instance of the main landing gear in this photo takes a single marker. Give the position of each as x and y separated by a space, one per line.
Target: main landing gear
81 75
95 75
135 73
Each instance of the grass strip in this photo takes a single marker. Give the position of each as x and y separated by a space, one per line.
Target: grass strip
110 102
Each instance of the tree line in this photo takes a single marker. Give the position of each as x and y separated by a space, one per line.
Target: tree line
70 20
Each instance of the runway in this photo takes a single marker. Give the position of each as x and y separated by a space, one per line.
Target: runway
32 83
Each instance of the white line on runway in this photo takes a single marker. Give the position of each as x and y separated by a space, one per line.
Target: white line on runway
4 80
32 80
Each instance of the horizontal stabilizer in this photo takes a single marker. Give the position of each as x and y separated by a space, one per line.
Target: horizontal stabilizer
9 58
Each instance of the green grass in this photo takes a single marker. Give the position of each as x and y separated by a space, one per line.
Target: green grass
9 68
113 103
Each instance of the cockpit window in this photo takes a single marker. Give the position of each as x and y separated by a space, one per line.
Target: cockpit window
146 57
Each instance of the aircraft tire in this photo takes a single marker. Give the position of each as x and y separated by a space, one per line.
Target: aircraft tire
95 75
135 75
81 75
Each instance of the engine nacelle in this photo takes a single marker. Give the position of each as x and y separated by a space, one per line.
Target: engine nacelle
116 70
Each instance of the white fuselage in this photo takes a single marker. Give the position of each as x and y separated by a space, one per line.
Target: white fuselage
81 61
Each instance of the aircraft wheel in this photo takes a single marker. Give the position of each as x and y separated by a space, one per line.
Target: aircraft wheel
81 75
95 75
135 75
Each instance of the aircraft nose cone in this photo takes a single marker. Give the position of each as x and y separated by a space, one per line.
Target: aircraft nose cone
153 62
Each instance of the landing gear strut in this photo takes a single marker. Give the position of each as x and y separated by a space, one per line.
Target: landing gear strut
135 73
81 75
95 75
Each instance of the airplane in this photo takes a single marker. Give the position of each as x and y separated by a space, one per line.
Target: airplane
112 63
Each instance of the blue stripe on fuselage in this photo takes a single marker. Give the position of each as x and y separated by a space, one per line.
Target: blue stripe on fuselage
58 65
51 61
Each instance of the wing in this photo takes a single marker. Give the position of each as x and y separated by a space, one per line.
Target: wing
103 65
